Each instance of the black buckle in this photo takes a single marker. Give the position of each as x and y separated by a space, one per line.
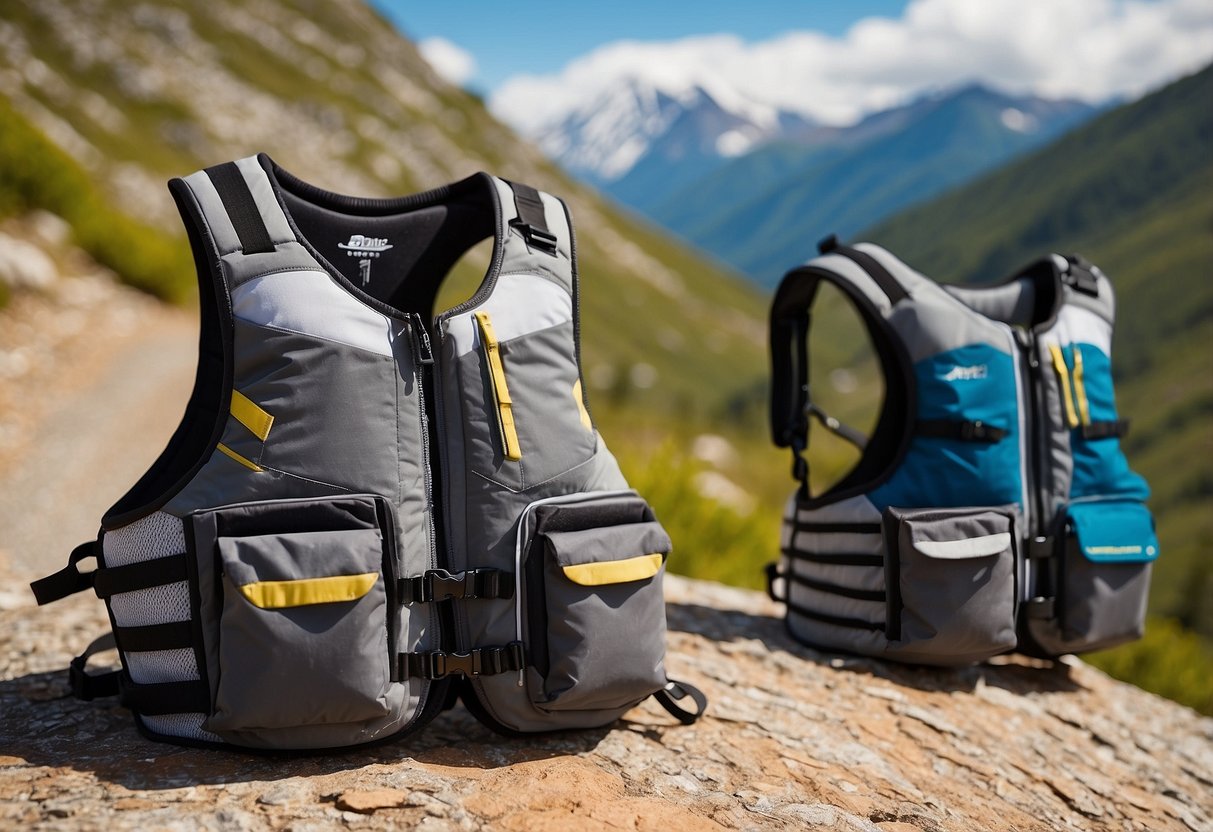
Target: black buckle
979 431
1079 276
1041 608
441 585
481 661
1040 548
539 238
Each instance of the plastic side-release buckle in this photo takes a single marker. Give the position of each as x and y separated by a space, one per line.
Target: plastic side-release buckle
539 238
481 661
441 585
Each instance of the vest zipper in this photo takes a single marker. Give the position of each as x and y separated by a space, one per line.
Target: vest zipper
1036 465
425 378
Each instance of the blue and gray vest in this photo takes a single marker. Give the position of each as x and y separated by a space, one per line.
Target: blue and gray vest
992 508
369 509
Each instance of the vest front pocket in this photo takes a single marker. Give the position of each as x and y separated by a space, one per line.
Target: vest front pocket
1096 579
952 583
304 617
593 604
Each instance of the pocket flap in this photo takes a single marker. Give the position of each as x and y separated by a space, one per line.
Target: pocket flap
275 571
1114 531
969 547
610 554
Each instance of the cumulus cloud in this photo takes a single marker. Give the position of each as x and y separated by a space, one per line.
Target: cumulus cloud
1086 49
454 63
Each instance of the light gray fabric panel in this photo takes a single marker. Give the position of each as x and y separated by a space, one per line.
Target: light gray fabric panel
1077 325
910 279
1102 305
1055 482
933 322
857 509
832 542
217 220
311 303
239 267
1012 303
267 201
869 578
823 635
520 304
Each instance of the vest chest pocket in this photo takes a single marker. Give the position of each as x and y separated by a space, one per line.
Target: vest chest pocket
524 420
303 595
593 614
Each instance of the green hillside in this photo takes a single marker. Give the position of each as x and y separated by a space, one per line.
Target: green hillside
336 95
1132 191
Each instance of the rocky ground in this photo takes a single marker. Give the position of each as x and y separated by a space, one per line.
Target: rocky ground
92 378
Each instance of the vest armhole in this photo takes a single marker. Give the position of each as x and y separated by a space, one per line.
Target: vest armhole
895 426
205 414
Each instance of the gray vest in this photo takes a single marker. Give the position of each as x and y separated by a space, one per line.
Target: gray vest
367 509
992 508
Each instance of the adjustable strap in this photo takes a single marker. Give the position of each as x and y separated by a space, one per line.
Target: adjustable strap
175 635
165 697
887 283
1105 430
673 693
441 585
964 430
145 574
531 221
774 573
1081 275
88 686
241 208
69 580
839 429
482 661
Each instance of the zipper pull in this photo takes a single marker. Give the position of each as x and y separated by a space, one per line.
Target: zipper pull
421 339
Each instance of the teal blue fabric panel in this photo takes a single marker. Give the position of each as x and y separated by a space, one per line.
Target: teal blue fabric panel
1100 467
974 382
1114 531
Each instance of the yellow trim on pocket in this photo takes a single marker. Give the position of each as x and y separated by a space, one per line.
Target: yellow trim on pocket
247 463
614 571
1063 375
275 595
1080 392
501 391
248 413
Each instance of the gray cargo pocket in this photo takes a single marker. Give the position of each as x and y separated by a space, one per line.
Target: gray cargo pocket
303 634
594 605
951 578
1097 581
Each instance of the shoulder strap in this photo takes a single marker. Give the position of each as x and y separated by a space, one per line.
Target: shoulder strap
873 290
537 234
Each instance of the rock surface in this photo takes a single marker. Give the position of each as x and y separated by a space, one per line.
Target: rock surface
794 739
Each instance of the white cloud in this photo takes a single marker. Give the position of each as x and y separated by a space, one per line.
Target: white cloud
1087 49
454 63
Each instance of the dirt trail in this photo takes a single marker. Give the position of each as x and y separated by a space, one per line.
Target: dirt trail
96 404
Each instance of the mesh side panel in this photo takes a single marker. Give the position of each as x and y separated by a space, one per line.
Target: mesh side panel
150 537
181 725
154 605
156 666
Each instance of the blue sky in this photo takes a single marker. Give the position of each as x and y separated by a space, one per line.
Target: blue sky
541 37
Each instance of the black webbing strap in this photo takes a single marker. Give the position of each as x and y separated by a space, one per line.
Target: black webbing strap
1042 608
963 430
838 428
774 573
1106 430
241 208
887 283
69 580
145 574
482 661
673 693
1041 548
441 585
1081 275
836 620
166 698
88 686
835 558
835 528
531 221
175 635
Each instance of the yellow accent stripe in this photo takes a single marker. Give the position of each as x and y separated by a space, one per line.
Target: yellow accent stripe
1080 392
250 414
614 571
274 595
585 414
501 391
247 463
1063 375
